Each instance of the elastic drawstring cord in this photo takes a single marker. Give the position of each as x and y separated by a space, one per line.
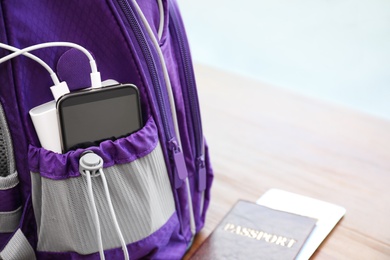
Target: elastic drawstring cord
95 214
113 215
91 162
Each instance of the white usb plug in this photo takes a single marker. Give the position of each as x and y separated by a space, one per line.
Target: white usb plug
59 90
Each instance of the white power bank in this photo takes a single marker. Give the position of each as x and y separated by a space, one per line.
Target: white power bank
45 120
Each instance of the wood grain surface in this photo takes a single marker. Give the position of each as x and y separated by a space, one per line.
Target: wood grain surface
263 137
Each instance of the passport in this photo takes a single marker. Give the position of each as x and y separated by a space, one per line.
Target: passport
327 215
252 231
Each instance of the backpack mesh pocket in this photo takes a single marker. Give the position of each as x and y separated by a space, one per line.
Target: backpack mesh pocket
10 203
140 192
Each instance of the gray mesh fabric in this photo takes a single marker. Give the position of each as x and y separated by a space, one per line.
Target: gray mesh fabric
18 248
9 221
7 164
9 181
141 196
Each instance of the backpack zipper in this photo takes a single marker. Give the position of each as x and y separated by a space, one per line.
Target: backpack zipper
180 173
191 97
159 96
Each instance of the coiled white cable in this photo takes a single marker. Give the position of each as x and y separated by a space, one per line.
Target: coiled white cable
95 74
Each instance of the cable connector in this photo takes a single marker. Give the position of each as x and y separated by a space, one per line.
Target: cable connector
96 81
59 90
95 75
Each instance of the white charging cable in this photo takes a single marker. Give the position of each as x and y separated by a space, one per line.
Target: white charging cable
59 88
53 75
95 74
91 164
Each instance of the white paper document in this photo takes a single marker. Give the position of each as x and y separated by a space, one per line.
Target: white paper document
327 214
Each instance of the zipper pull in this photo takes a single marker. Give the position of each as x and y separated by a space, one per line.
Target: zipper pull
180 166
201 173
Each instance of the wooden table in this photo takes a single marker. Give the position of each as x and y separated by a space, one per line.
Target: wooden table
263 137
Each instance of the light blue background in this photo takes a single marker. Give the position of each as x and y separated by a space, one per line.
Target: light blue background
334 50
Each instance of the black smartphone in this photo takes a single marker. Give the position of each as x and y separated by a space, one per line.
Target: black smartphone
88 117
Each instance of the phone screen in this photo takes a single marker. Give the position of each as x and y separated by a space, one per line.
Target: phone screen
89 117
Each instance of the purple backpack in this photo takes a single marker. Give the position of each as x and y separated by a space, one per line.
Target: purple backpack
152 189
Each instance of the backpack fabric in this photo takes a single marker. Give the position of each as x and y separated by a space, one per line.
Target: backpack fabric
159 177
